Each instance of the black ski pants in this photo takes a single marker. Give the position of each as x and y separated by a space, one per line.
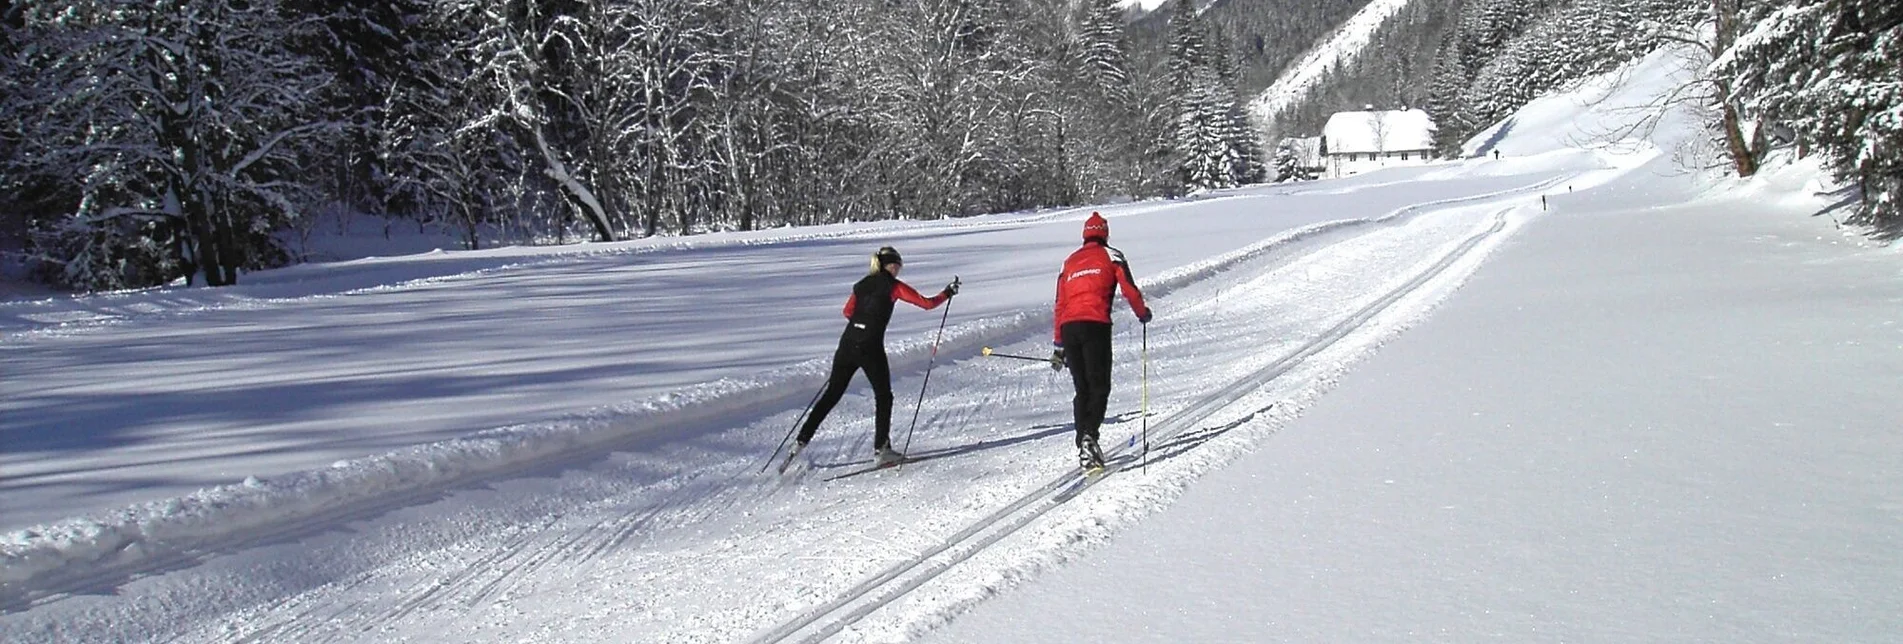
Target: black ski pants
853 356
1087 355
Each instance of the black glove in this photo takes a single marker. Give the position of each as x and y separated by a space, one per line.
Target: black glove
952 288
1057 359
1144 317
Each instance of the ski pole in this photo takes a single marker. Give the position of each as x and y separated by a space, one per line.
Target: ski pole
993 354
928 375
796 427
1146 399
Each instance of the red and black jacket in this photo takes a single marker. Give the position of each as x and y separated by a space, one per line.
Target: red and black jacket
1089 282
870 306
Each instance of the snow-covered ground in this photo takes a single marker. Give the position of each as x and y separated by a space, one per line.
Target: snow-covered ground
1565 395
1674 423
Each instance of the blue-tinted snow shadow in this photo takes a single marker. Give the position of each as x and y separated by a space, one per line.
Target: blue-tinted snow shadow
1500 134
1032 434
1183 443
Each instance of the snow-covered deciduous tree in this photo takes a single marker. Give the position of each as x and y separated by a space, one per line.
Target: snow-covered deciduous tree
658 80
180 124
15 212
1726 22
951 80
366 47
751 135
433 166
522 54
534 120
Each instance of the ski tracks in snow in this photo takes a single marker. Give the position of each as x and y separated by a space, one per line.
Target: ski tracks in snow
1176 431
683 541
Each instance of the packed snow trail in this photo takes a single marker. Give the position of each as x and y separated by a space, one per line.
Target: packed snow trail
674 537
151 416
94 553
894 582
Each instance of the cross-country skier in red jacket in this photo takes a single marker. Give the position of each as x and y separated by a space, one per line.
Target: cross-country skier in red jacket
1081 328
862 346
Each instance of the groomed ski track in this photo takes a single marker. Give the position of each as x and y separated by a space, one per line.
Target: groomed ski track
894 582
1326 295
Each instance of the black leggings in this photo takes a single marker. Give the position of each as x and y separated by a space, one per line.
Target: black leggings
849 358
1087 354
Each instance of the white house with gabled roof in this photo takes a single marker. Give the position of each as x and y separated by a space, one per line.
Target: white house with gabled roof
1356 142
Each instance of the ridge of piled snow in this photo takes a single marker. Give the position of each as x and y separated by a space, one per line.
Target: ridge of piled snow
65 313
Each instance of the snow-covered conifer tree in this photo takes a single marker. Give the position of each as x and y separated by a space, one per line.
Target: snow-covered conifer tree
1830 71
1213 143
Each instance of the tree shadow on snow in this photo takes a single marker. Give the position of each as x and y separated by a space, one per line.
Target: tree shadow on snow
1499 135
1182 444
1843 212
1036 433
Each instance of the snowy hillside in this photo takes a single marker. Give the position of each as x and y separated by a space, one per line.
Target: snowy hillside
1339 48
1541 397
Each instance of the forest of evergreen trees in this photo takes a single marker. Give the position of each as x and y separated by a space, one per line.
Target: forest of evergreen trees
148 141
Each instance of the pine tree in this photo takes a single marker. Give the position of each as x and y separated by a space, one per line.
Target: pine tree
1452 125
1214 144
1288 164
1103 49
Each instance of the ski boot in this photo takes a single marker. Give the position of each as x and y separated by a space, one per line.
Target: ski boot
797 446
1088 456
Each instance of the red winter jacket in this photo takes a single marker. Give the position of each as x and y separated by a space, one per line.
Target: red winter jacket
1089 281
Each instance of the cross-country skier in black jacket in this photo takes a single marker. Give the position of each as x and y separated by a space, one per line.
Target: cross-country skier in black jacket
862 346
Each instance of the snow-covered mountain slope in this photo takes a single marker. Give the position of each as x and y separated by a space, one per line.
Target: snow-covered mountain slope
1339 47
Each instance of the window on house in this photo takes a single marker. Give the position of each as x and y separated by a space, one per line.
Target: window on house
1404 156
1352 157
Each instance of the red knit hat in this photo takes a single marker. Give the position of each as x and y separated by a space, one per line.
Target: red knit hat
1096 227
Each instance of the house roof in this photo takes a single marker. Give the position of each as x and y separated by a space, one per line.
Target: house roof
1379 131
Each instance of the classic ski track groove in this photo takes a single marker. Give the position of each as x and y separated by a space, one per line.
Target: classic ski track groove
488 574
500 564
882 589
